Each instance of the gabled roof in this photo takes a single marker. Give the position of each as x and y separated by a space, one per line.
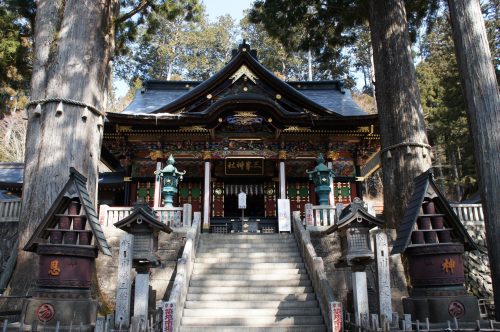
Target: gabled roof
143 211
304 101
426 188
11 174
75 187
357 209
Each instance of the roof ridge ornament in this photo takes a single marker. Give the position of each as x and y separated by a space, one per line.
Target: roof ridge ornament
243 71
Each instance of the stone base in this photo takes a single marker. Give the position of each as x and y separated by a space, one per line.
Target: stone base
75 313
443 308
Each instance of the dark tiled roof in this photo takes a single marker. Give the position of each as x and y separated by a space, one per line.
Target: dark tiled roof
11 173
426 188
154 97
336 101
146 102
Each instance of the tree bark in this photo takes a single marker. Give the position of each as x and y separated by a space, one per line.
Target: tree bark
398 103
74 42
483 109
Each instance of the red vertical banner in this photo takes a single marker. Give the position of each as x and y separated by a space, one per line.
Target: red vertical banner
336 317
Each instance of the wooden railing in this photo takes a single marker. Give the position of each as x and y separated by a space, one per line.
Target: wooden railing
10 210
175 217
469 214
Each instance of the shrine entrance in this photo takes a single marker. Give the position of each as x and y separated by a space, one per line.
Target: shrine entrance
255 198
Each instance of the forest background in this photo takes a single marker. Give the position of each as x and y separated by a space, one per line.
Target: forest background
169 45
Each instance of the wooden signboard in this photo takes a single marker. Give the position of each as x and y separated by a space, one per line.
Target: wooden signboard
284 217
244 166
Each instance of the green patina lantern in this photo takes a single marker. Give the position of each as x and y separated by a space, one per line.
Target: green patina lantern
321 177
170 180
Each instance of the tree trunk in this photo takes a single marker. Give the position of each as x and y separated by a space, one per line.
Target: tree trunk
398 103
483 107
73 48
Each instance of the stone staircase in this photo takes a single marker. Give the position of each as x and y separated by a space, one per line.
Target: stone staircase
244 282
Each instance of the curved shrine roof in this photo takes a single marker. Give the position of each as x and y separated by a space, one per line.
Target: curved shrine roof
243 79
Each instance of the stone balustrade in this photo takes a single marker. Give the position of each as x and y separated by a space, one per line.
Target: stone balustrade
10 210
175 217
315 267
173 308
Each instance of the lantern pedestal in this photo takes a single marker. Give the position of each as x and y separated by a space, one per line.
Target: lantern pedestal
63 293
437 276
67 311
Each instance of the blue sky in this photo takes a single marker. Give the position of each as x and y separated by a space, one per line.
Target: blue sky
232 7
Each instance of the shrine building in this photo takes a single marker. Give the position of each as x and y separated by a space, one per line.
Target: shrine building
242 130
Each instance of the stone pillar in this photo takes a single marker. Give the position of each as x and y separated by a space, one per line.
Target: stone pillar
360 293
124 286
206 191
141 295
157 198
383 274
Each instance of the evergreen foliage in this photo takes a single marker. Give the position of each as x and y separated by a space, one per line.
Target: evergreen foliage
445 109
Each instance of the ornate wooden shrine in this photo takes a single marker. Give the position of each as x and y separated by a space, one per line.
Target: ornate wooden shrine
243 129
67 242
433 240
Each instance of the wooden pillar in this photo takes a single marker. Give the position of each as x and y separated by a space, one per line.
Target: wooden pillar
206 191
282 157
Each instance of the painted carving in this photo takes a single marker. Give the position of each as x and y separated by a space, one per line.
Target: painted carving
449 265
54 269
45 312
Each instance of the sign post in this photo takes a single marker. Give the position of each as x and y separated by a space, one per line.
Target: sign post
284 218
242 204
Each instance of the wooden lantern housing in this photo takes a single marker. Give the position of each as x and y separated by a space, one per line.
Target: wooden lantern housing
354 227
144 225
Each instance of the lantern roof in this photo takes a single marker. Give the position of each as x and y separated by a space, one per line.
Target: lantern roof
427 190
76 187
145 214
356 211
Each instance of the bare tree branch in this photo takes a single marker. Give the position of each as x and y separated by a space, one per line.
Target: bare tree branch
141 6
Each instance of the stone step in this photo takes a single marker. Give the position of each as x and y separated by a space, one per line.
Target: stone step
250 297
253 320
300 328
250 283
239 245
249 277
251 304
215 251
269 259
256 240
249 290
238 313
247 254
250 266
230 270
243 236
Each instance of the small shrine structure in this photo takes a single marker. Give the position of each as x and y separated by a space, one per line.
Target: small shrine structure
433 240
63 243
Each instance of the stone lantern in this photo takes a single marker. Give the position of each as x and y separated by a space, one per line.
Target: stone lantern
170 179
353 228
320 176
145 227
